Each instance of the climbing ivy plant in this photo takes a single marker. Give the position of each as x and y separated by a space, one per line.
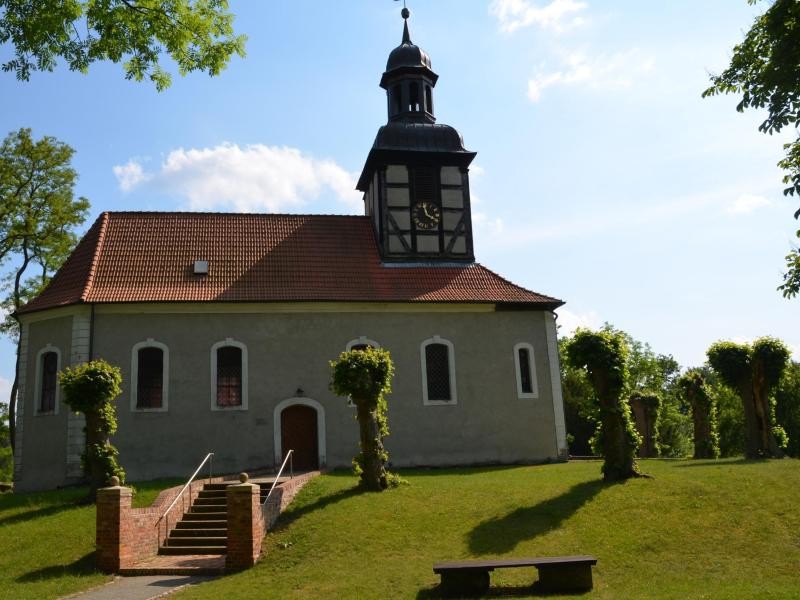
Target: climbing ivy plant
754 371
603 355
651 407
365 376
704 413
90 388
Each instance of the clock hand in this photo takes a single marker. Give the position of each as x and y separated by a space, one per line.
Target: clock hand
427 214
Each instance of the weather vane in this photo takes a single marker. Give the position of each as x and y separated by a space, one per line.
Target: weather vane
405 12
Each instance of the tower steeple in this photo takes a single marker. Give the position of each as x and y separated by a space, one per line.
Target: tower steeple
415 180
409 80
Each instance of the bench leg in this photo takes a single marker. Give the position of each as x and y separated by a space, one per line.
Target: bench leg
565 578
465 582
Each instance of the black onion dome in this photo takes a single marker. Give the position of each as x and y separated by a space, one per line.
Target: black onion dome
407 54
426 137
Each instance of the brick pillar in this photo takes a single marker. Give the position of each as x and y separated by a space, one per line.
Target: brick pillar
245 525
113 514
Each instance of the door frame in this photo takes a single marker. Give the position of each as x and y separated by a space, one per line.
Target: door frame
276 421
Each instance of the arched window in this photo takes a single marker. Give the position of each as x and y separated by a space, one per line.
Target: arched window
428 99
527 386
229 375
438 371
361 343
48 363
149 376
397 99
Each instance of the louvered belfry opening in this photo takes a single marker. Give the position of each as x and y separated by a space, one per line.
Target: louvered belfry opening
229 376
49 382
437 370
150 378
525 370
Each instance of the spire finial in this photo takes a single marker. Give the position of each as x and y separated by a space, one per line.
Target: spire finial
405 13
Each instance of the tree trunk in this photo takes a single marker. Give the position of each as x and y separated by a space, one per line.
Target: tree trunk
768 446
95 437
619 448
373 470
752 438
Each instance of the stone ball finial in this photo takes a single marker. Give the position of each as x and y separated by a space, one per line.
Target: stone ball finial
243 477
114 481
405 13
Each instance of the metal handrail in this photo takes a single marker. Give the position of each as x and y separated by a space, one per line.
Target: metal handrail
209 457
278 476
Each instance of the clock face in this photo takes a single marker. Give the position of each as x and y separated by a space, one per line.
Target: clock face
426 215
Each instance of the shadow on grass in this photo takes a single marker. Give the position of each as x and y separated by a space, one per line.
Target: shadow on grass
83 566
287 518
501 535
710 462
37 513
518 591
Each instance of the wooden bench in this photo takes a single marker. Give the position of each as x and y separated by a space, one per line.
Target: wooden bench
556 574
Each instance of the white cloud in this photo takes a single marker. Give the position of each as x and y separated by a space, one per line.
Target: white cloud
5 390
747 203
130 174
246 179
570 321
558 15
615 71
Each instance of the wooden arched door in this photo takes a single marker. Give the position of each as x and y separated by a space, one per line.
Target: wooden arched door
299 433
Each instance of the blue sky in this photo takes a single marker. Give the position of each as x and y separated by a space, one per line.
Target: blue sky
602 177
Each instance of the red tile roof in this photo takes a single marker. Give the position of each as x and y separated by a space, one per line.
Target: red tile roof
149 257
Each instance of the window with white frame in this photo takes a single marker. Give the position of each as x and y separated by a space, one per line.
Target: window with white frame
229 375
48 363
527 386
438 371
149 376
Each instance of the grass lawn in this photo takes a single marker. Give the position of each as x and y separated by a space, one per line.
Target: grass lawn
698 529
47 542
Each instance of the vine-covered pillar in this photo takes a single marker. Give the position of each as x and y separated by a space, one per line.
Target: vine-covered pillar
245 525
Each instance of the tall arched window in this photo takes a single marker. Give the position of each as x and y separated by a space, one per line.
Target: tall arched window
413 97
397 99
229 375
48 363
149 376
527 386
428 99
438 371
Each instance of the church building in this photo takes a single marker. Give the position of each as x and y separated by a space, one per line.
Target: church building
224 324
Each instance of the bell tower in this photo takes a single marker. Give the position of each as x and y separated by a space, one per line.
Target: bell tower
415 180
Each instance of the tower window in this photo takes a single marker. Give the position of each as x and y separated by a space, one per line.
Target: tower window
413 96
428 99
397 99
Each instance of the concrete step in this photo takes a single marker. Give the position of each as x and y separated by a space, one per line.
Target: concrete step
212 494
199 532
218 486
198 541
173 550
204 508
210 501
202 524
186 564
206 516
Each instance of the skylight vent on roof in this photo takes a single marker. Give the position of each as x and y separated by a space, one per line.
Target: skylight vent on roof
201 267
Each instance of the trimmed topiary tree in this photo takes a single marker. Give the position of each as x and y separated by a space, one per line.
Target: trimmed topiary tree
603 354
90 388
704 413
365 376
754 371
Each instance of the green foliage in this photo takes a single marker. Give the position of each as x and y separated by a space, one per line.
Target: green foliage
603 355
365 376
765 70
90 388
674 428
730 416
787 407
731 361
774 356
197 34
6 459
704 413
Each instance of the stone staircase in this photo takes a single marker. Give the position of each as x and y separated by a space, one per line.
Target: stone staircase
204 528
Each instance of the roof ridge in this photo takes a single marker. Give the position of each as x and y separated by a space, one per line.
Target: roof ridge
101 236
224 214
511 283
